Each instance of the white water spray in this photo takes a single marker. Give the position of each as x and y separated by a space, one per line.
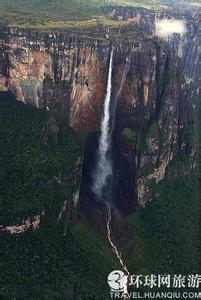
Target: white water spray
103 171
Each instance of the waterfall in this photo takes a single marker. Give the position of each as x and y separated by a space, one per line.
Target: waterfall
103 170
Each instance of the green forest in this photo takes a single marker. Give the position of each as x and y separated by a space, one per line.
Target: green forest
61 258
166 232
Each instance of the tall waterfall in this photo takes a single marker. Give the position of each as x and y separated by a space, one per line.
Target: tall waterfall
103 170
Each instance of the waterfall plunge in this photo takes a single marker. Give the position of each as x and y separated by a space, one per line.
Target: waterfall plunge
103 171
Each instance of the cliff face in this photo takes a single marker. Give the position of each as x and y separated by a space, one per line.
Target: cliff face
48 69
154 106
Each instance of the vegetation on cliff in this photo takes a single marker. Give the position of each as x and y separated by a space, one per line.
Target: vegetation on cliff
38 173
34 168
166 232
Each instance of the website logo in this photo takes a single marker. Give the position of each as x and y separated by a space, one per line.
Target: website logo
117 280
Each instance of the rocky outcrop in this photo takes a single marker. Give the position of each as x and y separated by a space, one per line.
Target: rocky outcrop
31 223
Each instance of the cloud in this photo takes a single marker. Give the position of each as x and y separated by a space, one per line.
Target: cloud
167 27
